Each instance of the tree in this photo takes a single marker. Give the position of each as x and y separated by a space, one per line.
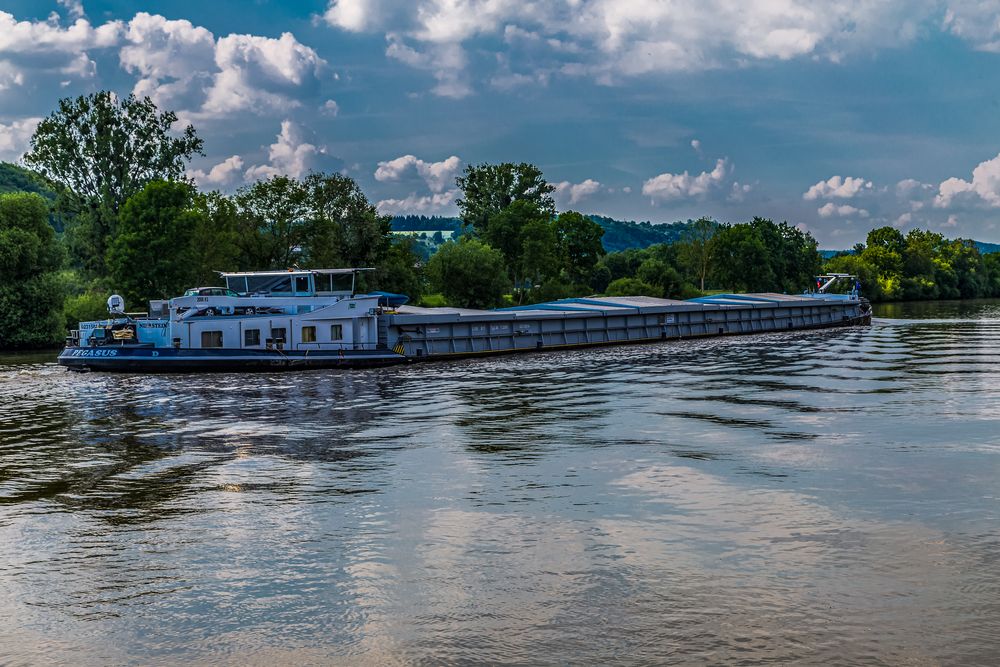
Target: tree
271 222
516 228
343 226
105 149
579 244
152 256
321 222
697 249
400 271
31 293
741 259
539 253
214 238
488 189
470 274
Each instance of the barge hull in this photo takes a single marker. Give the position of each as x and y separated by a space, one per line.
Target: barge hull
419 333
134 359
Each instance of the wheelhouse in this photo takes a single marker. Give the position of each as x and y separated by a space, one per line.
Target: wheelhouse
294 282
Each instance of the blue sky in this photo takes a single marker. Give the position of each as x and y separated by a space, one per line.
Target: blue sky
837 116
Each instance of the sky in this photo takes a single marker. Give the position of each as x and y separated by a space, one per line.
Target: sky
836 116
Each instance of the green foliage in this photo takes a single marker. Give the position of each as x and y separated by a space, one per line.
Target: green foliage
213 237
631 287
271 223
104 149
697 248
624 234
322 221
400 271
31 290
433 301
107 148
556 288
470 274
920 265
763 256
85 306
488 189
343 225
153 255
580 245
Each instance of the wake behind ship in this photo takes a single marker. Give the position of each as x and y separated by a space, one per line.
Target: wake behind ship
297 319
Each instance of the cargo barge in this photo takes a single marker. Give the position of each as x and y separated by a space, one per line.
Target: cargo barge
298 319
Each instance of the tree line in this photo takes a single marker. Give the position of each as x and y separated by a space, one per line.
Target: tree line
119 215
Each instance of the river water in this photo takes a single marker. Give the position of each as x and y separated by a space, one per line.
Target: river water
821 497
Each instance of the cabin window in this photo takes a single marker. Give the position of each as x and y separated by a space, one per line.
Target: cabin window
308 334
211 339
302 284
251 337
237 283
336 332
278 334
270 284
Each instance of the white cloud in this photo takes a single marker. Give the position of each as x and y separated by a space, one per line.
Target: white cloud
437 175
10 75
984 186
14 137
222 174
908 186
836 187
74 8
440 202
976 21
330 108
952 221
573 193
353 15
684 186
696 145
290 155
446 62
38 37
739 191
184 66
606 39
48 47
830 209
903 220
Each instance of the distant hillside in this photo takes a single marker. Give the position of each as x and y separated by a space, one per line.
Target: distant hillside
987 248
622 234
18 179
423 223
618 234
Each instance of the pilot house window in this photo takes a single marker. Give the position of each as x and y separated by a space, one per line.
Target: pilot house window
308 334
211 339
251 337
336 332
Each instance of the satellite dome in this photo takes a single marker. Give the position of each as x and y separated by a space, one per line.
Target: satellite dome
116 304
